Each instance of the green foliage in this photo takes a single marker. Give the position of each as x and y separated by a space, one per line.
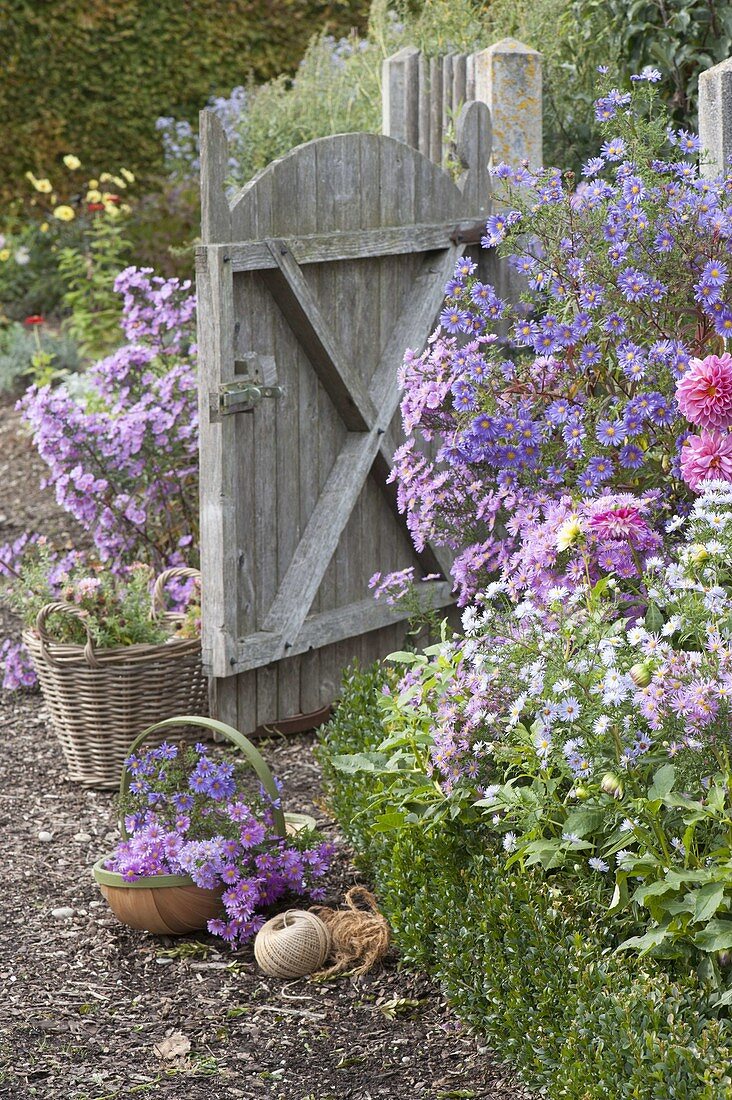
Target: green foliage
91 78
116 611
682 38
526 961
89 271
34 354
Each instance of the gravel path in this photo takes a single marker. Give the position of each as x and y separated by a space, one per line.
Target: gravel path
87 1005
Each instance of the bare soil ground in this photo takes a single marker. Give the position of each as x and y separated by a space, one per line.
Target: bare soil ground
85 1002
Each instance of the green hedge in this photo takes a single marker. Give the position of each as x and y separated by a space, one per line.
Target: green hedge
92 77
529 967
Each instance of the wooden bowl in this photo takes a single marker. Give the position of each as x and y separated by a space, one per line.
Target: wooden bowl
169 905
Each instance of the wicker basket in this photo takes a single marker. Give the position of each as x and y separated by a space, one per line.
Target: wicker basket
99 700
173 904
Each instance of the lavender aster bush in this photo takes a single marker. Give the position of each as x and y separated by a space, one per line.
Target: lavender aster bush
188 812
123 455
572 389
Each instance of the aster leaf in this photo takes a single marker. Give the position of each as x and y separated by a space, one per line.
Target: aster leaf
663 782
707 901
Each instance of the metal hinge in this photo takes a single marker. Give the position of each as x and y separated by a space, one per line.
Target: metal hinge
247 392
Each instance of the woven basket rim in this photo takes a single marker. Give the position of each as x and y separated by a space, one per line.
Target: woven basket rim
69 653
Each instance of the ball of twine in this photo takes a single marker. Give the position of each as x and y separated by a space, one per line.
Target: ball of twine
292 944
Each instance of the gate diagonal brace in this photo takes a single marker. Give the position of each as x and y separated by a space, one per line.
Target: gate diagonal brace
367 438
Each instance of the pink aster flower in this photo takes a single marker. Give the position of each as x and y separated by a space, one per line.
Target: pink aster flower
705 456
704 393
623 523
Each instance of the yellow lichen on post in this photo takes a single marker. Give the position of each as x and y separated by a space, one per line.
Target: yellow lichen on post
508 79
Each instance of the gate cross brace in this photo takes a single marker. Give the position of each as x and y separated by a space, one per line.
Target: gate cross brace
367 414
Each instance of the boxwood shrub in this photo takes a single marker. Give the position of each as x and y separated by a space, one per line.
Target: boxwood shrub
526 965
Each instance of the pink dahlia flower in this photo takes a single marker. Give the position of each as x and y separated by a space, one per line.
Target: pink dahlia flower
704 393
705 456
623 523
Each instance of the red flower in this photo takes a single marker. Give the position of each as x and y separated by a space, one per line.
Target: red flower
94 206
34 319
113 198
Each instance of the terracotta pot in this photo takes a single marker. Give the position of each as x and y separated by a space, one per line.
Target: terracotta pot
169 905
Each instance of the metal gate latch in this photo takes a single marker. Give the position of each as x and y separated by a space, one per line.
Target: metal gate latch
242 396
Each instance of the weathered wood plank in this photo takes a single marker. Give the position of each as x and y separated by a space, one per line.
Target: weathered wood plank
459 84
247 300
302 313
329 627
436 110
356 244
215 212
423 111
413 327
400 96
307 220
447 121
218 476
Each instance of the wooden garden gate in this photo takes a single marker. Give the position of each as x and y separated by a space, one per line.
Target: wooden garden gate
312 282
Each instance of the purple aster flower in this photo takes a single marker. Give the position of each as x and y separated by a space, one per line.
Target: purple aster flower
715 273
611 431
593 166
633 284
454 320
613 149
631 457
614 324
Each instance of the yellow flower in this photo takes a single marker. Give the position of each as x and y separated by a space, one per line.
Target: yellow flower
72 162
44 186
4 255
64 213
44 227
105 177
118 182
93 184
111 209
569 532
94 195
127 174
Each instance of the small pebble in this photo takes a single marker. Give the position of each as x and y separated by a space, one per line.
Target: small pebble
63 913
45 836
83 838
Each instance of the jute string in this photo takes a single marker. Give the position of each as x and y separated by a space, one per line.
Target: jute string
359 934
292 944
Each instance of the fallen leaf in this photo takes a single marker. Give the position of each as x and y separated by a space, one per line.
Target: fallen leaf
174 1046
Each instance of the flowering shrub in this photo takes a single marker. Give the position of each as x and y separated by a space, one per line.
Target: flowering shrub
594 737
123 454
627 288
190 813
65 219
117 609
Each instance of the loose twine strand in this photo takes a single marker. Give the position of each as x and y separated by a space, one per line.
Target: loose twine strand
360 934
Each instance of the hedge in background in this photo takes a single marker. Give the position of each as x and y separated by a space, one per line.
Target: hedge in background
91 77
526 964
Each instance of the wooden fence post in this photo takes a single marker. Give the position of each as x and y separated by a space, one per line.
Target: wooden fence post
400 96
508 79
715 118
422 97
